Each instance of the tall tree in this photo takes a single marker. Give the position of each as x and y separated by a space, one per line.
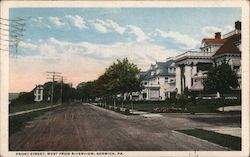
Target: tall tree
123 77
87 91
221 79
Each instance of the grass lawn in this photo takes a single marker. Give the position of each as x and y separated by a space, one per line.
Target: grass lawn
217 138
17 122
191 108
17 108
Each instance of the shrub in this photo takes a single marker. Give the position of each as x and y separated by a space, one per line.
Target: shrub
126 111
23 99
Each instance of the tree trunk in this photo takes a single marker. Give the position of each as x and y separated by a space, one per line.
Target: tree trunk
132 106
122 99
114 103
223 98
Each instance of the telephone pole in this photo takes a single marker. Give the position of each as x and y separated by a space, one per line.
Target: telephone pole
62 81
53 76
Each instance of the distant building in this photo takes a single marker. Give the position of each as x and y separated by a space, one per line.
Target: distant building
159 81
38 93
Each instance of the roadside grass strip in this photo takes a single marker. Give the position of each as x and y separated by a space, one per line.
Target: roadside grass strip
217 138
32 110
17 122
19 108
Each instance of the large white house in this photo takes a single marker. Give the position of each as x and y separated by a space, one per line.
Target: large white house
192 66
159 81
188 70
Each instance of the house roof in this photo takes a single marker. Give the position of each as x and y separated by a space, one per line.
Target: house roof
159 65
213 40
229 47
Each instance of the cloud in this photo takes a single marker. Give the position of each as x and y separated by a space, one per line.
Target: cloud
77 21
105 26
40 22
57 21
81 61
186 41
138 32
100 27
113 25
209 31
27 45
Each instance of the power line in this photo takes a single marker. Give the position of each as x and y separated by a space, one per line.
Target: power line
53 76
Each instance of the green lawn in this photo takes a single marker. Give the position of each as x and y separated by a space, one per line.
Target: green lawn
18 108
17 122
190 108
217 138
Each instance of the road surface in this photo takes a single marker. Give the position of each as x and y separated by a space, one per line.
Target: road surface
85 127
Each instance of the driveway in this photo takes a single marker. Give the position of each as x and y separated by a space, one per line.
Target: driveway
85 127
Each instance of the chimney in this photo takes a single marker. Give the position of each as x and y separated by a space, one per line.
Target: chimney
237 25
217 35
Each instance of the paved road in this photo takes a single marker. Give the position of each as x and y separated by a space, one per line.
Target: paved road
82 127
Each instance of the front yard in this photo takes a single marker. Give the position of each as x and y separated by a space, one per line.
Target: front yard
179 106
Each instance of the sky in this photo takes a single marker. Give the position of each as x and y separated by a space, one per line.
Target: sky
81 42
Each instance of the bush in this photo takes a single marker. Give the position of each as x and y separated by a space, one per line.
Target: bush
23 99
127 111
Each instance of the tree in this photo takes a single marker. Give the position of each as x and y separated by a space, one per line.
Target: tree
62 92
221 79
124 78
24 98
87 90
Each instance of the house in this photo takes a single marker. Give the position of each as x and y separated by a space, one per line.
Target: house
192 66
159 81
38 93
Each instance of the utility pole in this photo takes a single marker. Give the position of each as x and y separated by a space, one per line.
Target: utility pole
62 81
53 76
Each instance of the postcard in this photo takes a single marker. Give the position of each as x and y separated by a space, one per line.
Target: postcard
124 78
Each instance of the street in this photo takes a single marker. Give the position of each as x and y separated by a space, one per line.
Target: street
85 127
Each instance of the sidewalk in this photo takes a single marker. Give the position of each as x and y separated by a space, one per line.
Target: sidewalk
145 114
28 111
